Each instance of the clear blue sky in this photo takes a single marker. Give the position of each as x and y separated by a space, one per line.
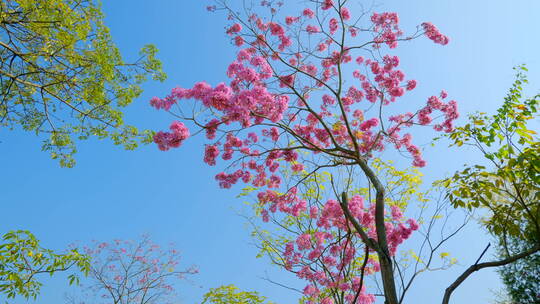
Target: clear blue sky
113 193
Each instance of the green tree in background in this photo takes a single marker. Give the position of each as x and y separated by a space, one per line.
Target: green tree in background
521 278
508 187
23 261
62 77
230 294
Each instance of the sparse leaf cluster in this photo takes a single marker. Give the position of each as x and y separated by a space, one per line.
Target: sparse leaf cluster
23 261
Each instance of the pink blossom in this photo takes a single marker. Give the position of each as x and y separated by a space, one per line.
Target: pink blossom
238 41
386 24
413 224
433 33
443 94
312 29
333 25
327 4
210 154
167 140
290 20
411 84
311 291
308 13
287 81
235 28
304 241
345 14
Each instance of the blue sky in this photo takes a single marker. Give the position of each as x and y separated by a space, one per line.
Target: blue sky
113 193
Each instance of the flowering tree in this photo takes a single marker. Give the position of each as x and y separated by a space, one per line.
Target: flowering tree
311 100
125 272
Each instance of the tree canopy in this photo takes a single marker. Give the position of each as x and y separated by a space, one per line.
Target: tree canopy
23 261
230 294
509 184
507 187
63 78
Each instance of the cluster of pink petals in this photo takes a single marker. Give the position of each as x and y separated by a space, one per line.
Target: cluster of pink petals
227 180
386 25
290 20
162 103
327 4
388 79
345 14
288 203
312 29
333 26
405 141
434 103
246 100
260 170
278 31
308 13
433 33
449 110
235 28
166 140
211 152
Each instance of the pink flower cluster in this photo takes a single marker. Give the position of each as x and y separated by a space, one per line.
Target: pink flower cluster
327 4
333 26
312 29
386 25
166 140
288 203
449 110
235 28
308 13
433 33
278 31
387 78
165 103
246 100
345 14
259 174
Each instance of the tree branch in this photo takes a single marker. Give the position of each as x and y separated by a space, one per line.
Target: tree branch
477 267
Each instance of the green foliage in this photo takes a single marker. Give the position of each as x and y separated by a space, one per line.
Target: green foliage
22 259
402 186
521 278
510 186
230 294
62 77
